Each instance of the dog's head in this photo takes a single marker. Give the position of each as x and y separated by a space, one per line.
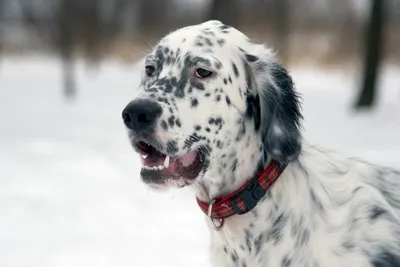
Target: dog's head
213 106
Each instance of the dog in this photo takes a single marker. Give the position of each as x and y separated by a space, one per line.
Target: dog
216 112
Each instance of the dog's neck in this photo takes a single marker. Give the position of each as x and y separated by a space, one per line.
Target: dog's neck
242 161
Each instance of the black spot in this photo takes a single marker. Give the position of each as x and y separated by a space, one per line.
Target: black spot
218 98
228 101
207 94
348 245
199 60
242 132
197 84
225 250
225 27
218 121
208 32
194 102
221 42
197 127
386 259
178 123
235 70
286 261
172 147
316 202
208 42
234 165
225 81
376 212
251 58
249 238
258 243
164 125
218 65
171 121
208 129
303 237
211 121
234 256
152 90
219 144
230 80
180 88
192 139
275 232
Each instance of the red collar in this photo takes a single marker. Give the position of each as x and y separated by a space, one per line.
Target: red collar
246 197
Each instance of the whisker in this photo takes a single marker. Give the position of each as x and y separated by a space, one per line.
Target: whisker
144 39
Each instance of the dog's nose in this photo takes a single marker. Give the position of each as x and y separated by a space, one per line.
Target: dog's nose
141 114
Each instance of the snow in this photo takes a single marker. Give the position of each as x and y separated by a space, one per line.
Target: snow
69 188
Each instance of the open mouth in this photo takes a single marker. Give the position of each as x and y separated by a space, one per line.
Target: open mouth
159 168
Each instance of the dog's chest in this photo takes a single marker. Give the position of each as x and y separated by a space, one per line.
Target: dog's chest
277 243
250 247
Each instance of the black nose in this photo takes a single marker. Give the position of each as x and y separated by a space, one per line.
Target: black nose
141 114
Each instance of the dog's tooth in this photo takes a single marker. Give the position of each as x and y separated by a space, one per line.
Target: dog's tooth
144 156
161 167
166 162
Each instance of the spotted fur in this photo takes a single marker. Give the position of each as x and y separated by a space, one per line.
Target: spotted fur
324 211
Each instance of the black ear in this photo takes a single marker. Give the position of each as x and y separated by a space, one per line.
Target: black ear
277 113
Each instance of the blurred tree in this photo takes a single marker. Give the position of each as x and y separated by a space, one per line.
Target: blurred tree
281 28
1 23
226 11
372 54
101 21
54 21
67 26
151 16
63 38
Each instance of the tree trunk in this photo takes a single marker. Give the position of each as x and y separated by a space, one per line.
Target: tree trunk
69 82
1 33
152 16
282 28
372 55
65 43
227 11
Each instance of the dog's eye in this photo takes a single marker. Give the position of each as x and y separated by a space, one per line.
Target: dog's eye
203 73
150 70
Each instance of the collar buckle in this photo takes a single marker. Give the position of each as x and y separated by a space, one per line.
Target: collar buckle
250 197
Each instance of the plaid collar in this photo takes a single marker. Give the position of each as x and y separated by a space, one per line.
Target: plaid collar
245 198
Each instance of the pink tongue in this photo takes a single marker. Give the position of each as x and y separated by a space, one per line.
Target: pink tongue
188 159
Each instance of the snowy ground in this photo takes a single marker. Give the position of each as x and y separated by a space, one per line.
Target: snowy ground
69 188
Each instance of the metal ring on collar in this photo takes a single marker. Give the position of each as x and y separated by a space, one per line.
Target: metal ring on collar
216 223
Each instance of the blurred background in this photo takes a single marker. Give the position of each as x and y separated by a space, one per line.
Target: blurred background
70 193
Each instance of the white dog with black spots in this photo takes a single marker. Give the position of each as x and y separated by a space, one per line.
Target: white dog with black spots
214 111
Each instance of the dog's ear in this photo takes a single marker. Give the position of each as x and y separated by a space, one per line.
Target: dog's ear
273 103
